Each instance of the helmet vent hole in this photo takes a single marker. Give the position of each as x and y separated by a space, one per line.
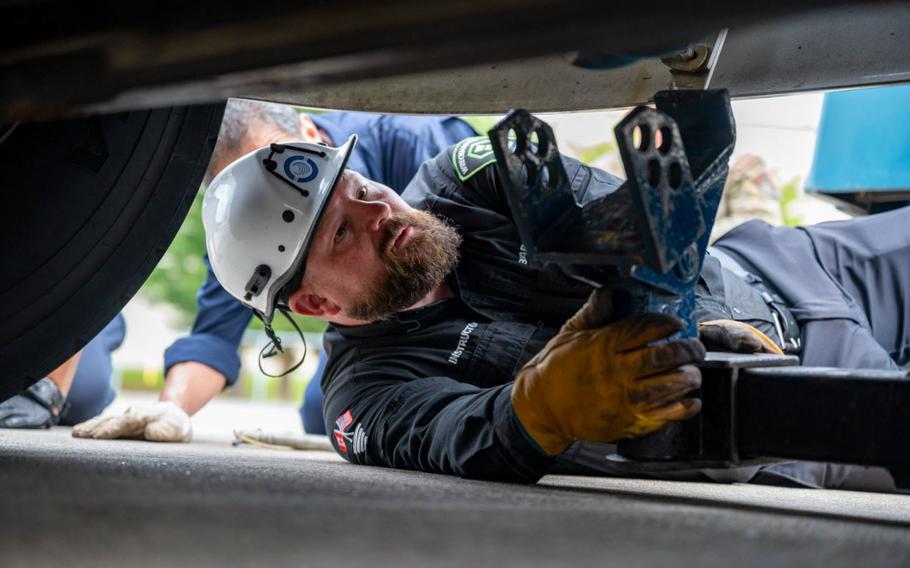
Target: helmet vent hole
288 216
280 248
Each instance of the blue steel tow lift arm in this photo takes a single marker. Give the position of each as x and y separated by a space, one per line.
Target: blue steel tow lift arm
646 241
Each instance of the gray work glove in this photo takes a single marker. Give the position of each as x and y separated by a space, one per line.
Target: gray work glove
38 406
736 336
158 422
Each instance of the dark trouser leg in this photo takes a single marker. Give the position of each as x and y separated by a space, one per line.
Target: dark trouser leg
91 391
842 343
311 409
870 258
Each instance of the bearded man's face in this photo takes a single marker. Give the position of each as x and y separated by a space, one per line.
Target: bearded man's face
418 252
373 255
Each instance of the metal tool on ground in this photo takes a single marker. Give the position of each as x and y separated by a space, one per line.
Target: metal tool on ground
283 441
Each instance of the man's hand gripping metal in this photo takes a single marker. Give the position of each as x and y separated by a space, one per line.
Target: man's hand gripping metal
600 383
736 336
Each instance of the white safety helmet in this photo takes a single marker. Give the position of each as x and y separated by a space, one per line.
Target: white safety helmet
260 213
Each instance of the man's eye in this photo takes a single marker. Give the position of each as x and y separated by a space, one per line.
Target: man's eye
340 232
362 192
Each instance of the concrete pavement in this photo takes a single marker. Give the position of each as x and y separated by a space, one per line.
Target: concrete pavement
69 502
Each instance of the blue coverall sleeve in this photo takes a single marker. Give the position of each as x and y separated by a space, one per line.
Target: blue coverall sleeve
220 322
410 141
433 424
405 155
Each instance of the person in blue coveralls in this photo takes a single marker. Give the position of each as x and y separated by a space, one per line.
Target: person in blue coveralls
201 365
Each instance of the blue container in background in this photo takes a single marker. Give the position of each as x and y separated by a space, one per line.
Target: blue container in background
862 154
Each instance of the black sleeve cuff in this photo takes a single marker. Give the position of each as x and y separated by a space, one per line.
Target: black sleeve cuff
525 457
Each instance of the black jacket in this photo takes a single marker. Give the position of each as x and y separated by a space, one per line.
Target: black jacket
429 389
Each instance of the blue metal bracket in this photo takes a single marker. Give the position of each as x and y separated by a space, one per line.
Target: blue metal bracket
646 240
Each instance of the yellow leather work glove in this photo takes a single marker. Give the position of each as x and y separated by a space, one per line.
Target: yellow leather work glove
736 336
600 383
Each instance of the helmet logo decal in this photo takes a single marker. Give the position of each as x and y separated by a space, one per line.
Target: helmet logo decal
300 169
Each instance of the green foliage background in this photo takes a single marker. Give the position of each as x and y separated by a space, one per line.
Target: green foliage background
181 270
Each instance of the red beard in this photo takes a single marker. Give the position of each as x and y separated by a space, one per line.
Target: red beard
414 269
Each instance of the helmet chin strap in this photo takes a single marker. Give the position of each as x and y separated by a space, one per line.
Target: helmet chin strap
273 347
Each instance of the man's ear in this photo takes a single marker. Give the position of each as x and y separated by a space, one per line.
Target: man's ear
308 129
305 302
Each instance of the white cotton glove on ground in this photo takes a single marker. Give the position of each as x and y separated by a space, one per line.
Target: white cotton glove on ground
158 422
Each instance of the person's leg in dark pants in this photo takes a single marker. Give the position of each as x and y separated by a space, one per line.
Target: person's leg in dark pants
91 391
870 258
311 409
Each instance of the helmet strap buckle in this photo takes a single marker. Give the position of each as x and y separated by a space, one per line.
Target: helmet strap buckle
274 346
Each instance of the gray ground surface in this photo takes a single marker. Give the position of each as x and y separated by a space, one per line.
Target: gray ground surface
69 502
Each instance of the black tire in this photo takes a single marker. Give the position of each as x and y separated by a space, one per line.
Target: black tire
87 209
